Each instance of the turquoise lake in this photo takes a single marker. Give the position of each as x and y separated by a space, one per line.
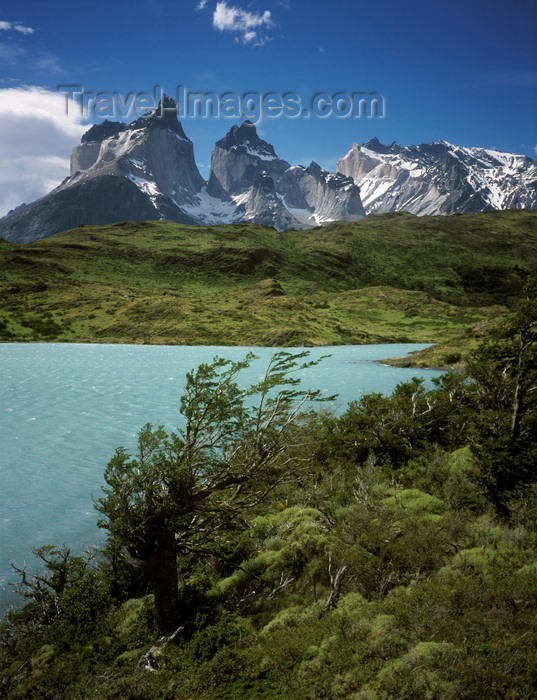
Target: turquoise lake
65 408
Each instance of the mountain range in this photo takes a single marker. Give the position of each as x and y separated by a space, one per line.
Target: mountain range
146 170
439 178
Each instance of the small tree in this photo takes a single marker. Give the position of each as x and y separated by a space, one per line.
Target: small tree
49 594
184 490
504 369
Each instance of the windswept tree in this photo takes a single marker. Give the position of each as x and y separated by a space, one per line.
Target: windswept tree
185 489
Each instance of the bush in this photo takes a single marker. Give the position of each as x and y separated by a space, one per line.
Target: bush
206 641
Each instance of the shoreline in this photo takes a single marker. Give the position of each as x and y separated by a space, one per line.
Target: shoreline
404 362
410 361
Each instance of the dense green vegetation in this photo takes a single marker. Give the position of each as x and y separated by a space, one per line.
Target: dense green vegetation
390 552
387 278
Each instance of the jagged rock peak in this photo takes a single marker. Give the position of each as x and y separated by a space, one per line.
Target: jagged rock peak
318 196
375 145
439 178
163 117
332 180
315 170
238 158
246 136
102 131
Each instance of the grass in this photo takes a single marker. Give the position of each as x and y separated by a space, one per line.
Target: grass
387 278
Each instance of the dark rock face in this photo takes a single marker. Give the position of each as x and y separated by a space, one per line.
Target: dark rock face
153 152
246 135
164 117
264 206
146 170
320 195
238 158
105 130
439 178
102 200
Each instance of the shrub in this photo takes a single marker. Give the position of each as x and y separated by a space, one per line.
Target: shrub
208 640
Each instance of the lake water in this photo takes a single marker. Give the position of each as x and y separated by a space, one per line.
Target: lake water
64 408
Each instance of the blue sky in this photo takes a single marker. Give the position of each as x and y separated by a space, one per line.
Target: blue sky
465 72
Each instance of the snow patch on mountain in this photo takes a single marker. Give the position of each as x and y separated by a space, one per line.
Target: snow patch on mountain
439 178
147 186
208 210
146 170
259 154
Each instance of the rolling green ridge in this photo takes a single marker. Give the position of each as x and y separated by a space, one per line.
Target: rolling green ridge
387 278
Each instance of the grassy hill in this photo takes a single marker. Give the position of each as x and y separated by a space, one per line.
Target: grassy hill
387 278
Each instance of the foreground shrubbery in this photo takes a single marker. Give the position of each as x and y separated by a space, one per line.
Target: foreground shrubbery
393 552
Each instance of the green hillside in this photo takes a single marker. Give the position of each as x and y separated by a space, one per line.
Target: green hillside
387 278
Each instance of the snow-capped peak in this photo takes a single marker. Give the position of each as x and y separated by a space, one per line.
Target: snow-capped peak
439 178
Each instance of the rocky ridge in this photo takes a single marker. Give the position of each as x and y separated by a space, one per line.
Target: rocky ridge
439 178
146 170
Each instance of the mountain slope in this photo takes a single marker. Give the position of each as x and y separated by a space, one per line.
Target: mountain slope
439 178
242 167
101 200
386 278
315 196
146 171
263 206
238 158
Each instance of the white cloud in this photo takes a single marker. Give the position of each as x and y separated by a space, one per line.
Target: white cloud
242 22
201 5
36 137
535 149
16 27
13 52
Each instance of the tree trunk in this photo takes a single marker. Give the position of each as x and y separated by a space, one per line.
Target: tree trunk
163 572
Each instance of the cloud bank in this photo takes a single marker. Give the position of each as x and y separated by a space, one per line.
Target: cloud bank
16 27
246 25
36 138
